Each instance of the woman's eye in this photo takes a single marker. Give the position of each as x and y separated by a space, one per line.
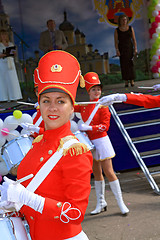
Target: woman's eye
45 101
61 101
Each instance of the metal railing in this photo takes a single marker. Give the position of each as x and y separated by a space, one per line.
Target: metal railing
136 154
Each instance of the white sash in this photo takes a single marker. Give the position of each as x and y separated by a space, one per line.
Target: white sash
92 114
47 168
38 121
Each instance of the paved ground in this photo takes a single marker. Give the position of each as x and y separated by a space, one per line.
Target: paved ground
142 223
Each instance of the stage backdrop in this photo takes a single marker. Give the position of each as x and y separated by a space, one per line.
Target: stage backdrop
96 19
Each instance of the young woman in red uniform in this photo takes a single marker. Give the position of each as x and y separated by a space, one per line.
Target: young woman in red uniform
57 207
104 152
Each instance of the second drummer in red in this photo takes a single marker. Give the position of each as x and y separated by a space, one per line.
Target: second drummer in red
104 152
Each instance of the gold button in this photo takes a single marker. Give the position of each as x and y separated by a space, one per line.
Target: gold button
56 217
41 159
50 152
31 218
31 146
59 204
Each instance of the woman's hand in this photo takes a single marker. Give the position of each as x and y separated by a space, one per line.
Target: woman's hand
13 192
118 52
2 55
84 127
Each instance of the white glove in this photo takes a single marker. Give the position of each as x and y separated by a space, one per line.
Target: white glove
18 194
30 127
156 87
110 99
84 127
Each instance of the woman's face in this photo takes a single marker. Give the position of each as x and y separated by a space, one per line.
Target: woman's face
124 21
95 92
56 109
3 36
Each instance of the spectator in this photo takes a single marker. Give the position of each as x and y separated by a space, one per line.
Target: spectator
52 39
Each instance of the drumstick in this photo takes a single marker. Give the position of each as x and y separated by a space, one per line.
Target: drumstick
9 133
32 104
146 87
24 178
82 103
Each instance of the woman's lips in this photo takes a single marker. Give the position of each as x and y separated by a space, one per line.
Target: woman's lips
53 117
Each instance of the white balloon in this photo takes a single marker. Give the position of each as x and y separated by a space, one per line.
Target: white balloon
156 75
157 31
157 7
34 115
78 115
3 167
26 118
10 122
155 13
2 140
155 58
74 126
13 135
158 52
155 35
80 122
1 123
23 131
72 116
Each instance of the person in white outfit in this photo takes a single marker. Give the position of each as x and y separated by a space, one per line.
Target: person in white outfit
10 88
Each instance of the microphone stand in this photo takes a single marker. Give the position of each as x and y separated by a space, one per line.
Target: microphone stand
22 46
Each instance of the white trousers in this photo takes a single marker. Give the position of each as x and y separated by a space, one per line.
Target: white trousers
80 236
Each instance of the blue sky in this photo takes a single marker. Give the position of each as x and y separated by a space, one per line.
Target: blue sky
28 18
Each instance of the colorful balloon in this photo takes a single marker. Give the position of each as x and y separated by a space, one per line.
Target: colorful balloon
4 131
17 114
157 18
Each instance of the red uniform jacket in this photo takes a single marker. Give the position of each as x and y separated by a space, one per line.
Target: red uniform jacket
147 101
100 122
67 187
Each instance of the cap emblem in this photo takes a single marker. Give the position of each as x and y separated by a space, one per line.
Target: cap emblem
94 78
56 68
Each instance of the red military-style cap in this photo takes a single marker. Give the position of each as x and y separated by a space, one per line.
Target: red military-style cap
91 79
35 77
59 70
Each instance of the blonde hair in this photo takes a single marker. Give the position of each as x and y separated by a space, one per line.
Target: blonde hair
3 31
